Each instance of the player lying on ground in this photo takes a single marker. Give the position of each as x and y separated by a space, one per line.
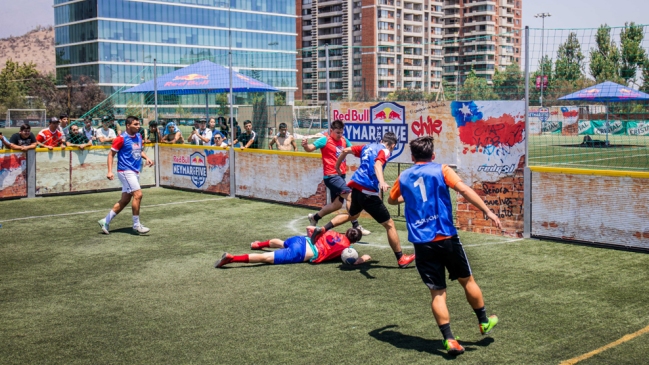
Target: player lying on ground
297 249
128 147
429 219
366 183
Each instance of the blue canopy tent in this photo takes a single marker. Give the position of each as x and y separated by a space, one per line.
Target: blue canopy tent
607 92
204 77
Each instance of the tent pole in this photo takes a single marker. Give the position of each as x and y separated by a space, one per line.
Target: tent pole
233 187
155 89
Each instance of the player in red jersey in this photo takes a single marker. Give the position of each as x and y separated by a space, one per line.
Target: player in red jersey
298 249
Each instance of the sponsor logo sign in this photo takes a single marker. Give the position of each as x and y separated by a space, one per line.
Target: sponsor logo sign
193 166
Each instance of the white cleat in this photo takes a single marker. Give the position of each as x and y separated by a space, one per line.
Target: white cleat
312 220
364 231
104 226
141 229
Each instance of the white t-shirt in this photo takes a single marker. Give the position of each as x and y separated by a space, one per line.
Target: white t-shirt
223 144
207 133
105 134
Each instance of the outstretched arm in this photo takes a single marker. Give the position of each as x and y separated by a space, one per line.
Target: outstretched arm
363 259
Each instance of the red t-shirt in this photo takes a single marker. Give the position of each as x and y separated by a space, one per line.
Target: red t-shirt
49 138
330 152
330 245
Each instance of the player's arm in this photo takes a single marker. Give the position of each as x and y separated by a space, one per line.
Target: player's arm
395 197
272 142
293 144
146 158
111 154
251 141
40 140
341 158
204 139
472 197
310 147
378 170
363 259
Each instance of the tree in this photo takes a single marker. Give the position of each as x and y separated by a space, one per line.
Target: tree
79 96
633 54
477 88
280 98
645 75
509 84
223 105
569 63
605 59
14 86
407 95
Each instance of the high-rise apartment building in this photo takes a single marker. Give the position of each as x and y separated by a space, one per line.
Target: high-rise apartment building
112 41
379 46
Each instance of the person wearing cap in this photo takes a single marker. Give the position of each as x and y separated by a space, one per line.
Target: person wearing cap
201 135
172 134
52 136
88 130
77 138
64 125
23 140
105 134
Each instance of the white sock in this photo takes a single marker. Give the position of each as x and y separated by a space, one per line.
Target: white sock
136 220
110 216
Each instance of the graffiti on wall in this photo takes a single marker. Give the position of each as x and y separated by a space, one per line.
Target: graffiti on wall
13 175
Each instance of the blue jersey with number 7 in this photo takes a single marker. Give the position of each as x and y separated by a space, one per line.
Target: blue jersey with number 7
428 209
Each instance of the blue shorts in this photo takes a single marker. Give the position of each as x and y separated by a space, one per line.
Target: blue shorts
294 251
336 185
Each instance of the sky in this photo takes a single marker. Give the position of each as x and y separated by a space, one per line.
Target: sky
20 16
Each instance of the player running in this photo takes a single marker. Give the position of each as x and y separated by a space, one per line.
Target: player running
429 218
128 147
366 183
330 147
297 249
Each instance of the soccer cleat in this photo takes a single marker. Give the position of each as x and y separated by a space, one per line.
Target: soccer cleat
485 328
406 260
364 231
453 347
312 220
104 226
255 246
141 229
225 259
316 232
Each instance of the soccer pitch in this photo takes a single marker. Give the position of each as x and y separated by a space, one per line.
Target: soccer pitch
70 295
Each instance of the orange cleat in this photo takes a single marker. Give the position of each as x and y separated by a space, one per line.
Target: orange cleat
406 260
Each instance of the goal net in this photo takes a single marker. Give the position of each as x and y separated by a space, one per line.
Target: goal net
32 117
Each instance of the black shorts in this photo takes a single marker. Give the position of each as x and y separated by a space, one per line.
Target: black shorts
372 204
336 185
433 257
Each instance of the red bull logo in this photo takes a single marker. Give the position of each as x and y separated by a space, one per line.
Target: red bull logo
197 161
193 166
388 113
191 77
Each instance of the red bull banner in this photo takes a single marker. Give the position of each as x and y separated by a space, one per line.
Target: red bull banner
195 167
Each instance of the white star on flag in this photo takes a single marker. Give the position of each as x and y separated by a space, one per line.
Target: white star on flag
465 110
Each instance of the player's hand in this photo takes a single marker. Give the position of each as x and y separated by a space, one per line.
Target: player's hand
495 219
49 147
305 142
363 259
383 186
149 162
338 171
110 176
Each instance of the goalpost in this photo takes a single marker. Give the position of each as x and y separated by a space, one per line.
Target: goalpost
307 119
32 117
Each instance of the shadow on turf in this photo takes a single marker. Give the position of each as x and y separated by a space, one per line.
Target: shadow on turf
433 347
127 230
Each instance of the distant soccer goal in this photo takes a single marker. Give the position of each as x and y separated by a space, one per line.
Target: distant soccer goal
308 120
32 117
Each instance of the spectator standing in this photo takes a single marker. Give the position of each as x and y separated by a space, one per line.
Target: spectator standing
201 135
283 140
248 138
64 127
89 131
52 136
77 138
153 134
23 140
224 126
172 134
211 125
105 134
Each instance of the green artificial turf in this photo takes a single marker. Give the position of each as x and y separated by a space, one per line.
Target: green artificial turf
70 295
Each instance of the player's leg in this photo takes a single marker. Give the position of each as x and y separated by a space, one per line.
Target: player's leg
272 243
294 251
118 207
430 265
374 206
337 187
132 180
459 268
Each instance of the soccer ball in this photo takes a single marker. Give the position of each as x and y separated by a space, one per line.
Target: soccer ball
349 256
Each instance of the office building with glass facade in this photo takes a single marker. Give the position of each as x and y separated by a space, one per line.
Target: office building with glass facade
115 42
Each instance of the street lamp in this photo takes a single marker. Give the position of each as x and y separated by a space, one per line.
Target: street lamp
542 16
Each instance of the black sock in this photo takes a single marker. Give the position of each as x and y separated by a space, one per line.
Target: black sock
316 217
482 315
328 226
446 331
398 255
355 224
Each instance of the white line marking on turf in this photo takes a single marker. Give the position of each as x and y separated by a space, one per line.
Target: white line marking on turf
495 243
104 210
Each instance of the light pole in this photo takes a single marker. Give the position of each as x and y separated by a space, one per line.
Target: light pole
542 16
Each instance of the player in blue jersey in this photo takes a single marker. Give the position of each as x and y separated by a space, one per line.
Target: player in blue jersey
429 219
128 147
366 184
